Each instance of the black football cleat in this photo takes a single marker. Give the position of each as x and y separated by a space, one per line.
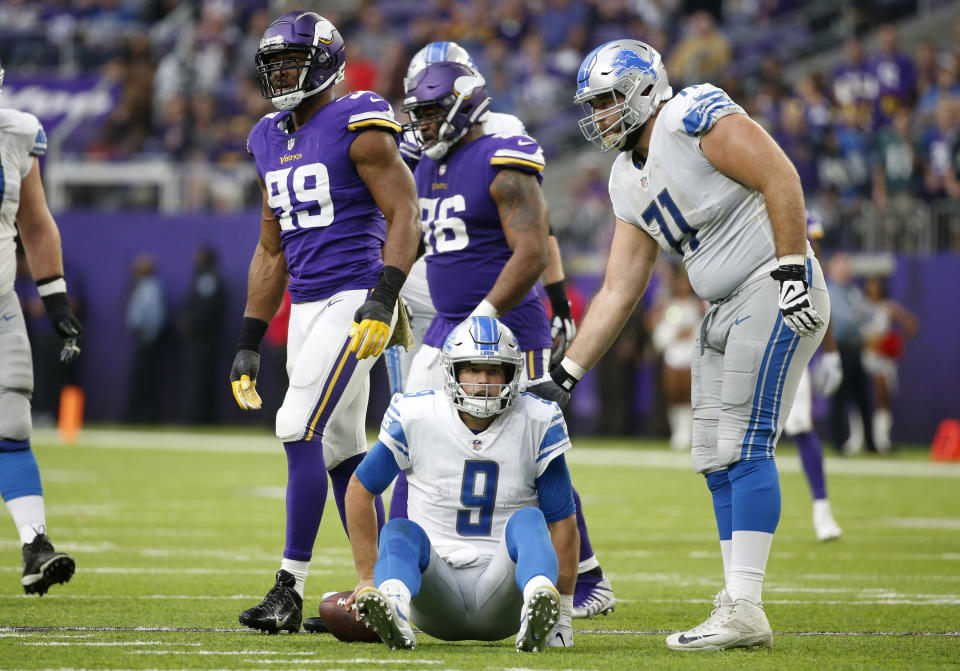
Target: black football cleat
43 566
315 625
281 609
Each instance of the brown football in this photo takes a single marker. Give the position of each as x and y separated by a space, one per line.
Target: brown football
342 622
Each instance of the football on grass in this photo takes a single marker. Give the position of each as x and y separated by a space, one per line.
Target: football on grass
342 621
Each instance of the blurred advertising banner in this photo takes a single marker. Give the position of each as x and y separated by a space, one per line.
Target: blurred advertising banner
56 99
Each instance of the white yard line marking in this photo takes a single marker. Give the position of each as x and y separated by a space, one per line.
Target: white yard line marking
106 643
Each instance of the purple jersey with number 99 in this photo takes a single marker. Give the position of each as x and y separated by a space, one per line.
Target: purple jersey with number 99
331 230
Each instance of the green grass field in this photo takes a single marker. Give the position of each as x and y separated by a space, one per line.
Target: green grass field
175 533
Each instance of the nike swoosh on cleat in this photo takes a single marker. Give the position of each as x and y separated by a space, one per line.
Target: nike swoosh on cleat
683 639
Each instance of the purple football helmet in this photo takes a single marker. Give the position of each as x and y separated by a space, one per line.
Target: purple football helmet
300 54
458 90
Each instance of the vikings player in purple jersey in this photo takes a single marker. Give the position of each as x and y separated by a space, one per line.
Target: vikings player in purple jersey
339 229
485 225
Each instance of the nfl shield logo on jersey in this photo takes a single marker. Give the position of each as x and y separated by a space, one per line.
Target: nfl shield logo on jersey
644 182
290 143
477 443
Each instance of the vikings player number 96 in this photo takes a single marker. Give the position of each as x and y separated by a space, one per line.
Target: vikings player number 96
443 232
311 189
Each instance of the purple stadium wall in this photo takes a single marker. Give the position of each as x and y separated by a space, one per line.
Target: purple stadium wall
99 248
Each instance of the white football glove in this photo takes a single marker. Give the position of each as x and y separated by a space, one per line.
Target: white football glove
827 373
795 306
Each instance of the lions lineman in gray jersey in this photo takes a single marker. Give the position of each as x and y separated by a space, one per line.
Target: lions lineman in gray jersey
23 204
698 178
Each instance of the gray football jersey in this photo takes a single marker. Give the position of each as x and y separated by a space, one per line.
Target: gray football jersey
719 227
21 138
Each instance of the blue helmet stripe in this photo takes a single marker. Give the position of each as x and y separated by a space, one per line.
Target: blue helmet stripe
446 47
584 74
486 334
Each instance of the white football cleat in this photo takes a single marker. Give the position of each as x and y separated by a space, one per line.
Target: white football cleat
824 526
593 596
561 636
740 624
386 615
537 618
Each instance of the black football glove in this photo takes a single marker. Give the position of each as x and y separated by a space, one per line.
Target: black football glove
546 388
65 323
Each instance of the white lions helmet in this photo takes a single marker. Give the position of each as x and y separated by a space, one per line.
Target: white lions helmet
436 52
482 340
632 71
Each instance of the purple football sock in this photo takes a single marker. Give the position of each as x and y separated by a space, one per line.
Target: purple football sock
811 455
398 504
340 477
586 550
306 495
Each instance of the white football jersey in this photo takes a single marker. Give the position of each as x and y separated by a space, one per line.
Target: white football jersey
719 227
463 487
21 138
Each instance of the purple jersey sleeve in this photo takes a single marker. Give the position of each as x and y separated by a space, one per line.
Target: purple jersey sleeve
517 152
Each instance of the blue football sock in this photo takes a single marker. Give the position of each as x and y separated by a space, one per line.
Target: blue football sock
19 473
529 545
756 495
719 484
404 554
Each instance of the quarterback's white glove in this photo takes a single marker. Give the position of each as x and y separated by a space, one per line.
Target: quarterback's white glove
827 373
562 634
795 306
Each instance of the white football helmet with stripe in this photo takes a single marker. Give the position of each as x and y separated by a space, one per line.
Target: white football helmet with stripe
482 340
633 72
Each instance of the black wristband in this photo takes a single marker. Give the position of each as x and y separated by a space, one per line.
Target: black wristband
251 333
388 286
560 375
789 272
557 293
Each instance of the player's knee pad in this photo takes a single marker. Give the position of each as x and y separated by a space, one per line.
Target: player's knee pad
15 423
16 373
290 423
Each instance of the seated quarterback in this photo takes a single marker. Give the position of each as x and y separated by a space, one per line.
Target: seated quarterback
491 544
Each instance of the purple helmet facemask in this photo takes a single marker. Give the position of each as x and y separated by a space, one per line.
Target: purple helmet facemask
312 47
456 89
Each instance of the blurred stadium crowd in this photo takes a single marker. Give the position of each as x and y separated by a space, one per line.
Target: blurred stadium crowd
872 132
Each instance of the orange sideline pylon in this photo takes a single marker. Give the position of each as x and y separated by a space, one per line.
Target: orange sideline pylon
71 413
946 442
